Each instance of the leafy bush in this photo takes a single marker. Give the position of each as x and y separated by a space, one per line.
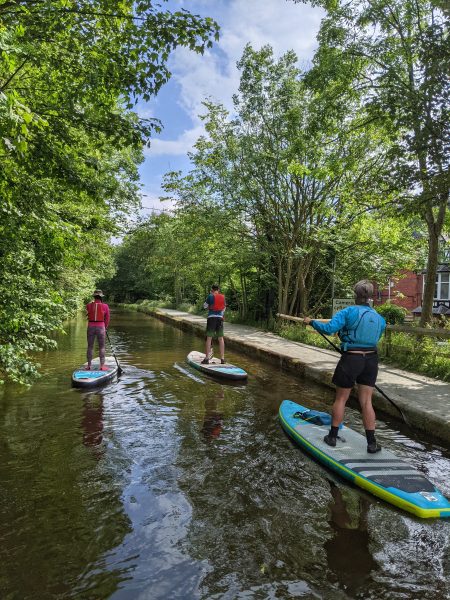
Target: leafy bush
394 314
187 307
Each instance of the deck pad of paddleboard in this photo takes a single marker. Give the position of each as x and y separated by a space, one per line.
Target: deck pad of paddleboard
384 474
227 370
82 377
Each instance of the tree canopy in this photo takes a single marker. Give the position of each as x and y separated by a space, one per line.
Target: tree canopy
70 143
394 55
283 201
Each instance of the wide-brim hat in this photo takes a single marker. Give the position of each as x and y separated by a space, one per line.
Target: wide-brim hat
98 293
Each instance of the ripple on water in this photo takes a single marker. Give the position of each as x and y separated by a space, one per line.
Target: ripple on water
168 484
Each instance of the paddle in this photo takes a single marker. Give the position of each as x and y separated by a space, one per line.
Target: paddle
376 387
120 370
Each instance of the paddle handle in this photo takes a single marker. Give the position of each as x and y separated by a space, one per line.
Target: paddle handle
114 354
300 319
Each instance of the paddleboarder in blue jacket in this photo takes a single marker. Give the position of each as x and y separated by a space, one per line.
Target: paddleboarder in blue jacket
359 328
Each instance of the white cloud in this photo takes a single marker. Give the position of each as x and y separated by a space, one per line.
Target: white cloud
280 23
145 111
181 145
152 203
284 25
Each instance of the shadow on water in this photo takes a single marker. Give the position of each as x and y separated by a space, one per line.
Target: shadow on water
213 419
168 484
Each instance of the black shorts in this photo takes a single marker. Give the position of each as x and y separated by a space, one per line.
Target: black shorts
356 368
214 327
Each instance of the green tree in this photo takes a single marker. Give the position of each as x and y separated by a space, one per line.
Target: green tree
395 56
283 205
179 256
291 169
216 244
70 73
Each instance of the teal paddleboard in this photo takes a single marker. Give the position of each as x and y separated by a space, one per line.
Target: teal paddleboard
215 368
94 377
382 474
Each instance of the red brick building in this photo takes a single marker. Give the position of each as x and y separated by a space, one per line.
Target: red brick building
407 291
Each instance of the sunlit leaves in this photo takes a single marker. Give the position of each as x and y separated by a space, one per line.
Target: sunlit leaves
69 148
393 58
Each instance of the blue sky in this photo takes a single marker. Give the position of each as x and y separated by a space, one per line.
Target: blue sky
280 23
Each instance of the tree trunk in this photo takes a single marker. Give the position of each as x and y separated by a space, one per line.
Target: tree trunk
434 232
177 289
302 296
237 296
280 287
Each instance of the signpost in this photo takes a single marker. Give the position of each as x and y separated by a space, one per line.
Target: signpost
340 303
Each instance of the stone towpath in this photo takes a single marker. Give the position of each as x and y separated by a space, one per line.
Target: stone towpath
424 401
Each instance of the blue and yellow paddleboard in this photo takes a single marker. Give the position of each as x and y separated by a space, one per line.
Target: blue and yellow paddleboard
215 368
383 474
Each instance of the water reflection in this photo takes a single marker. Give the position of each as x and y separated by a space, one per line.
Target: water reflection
348 554
57 500
92 423
170 484
213 419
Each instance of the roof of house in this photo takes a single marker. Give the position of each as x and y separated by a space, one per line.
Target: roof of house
441 268
437 310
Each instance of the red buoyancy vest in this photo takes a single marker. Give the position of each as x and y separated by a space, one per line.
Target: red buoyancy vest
96 312
219 302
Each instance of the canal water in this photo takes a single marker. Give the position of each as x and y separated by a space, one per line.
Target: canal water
167 484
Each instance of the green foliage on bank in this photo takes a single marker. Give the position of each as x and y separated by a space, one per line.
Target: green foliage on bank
420 354
70 146
392 313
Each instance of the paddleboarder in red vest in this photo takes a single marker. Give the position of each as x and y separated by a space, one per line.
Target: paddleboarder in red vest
98 321
216 305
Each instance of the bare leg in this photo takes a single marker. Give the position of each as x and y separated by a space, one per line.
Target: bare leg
342 395
208 346
365 399
222 348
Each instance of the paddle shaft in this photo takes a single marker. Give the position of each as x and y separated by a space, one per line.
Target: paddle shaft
376 387
114 354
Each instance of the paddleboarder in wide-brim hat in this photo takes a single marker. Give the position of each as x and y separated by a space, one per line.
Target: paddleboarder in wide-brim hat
98 321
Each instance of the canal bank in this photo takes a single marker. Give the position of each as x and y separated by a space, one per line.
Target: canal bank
424 401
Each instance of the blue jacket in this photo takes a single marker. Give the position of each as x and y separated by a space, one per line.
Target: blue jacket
358 326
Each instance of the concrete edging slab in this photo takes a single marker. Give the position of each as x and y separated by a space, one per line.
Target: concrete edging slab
424 401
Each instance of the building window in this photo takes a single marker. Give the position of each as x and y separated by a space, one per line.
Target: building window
446 254
442 288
